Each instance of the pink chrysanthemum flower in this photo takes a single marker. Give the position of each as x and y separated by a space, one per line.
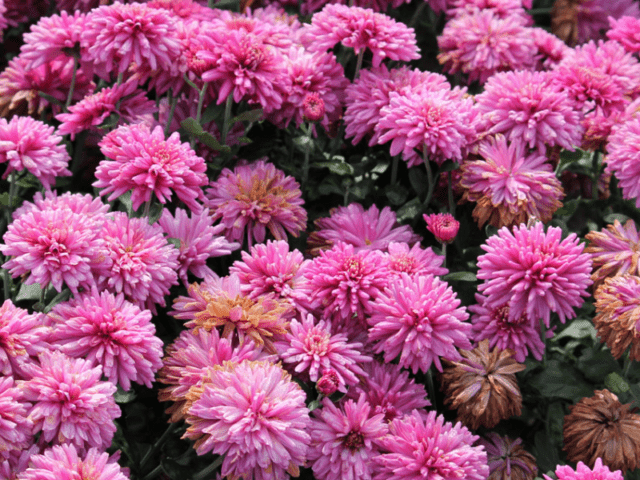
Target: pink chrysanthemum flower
199 241
343 283
415 261
360 28
518 335
116 35
419 447
272 269
345 441
70 402
81 204
502 8
261 430
529 107
22 338
480 44
509 186
623 158
313 349
55 247
144 265
551 50
126 100
28 144
3 20
15 426
108 331
188 359
255 197
440 124
625 31
62 462
370 229
591 16
419 319
534 272
583 472
186 10
390 391
146 163
444 226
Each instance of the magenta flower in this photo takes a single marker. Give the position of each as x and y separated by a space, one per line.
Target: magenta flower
360 28
551 50
15 427
626 31
622 160
70 402
255 197
199 241
583 472
534 272
419 447
415 261
62 462
28 144
254 415
143 162
443 226
111 332
144 266
370 229
345 441
312 349
592 15
81 204
419 319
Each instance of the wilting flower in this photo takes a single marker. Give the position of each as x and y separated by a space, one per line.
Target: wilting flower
262 431
371 229
420 447
443 226
614 251
534 273
623 158
15 427
602 427
508 460
255 197
482 386
583 472
415 261
345 441
419 319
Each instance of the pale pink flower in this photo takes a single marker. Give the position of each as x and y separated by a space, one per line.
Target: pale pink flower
501 8
76 202
622 157
626 31
415 261
15 427
443 226
583 472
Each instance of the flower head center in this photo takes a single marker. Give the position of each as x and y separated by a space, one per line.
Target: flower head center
354 441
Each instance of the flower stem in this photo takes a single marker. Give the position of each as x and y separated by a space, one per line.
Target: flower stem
147 208
359 64
417 14
394 169
307 153
156 446
431 390
12 194
444 254
595 166
429 178
6 284
173 101
452 203
77 151
73 84
204 473
153 473
203 90
227 119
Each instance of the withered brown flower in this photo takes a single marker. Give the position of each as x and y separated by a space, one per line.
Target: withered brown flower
507 458
618 313
482 386
564 20
602 427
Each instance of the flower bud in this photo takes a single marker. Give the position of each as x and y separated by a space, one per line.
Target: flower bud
443 226
328 383
313 107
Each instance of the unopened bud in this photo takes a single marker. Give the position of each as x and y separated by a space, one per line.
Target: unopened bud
443 226
328 383
313 107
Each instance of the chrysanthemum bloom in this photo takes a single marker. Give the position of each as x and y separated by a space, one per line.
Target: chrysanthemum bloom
146 164
370 229
520 335
507 458
618 315
360 28
419 447
443 226
528 107
188 359
482 386
220 303
76 202
109 331
63 462
439 122
55 247
30 144
144 265
626 31
390 391
272 269
602 427
480 44
116 35
614 251
312 348
199 241
313 107
502 8
15 427
623 158
254 415
22 338
419 319
509 186
257 197
583 472
344 441
70 402
534 273
415 261
129 102
551 50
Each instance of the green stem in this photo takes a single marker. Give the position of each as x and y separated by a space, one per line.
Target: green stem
77 152
227 119
6 283
203 90
156 446
307 153
431 390
394 169
202 474
595 166
627 365
539 11
120 77
147 208
153 473
417 14
429 177
173 101
452 203
12 194
73 84
358 64
444 254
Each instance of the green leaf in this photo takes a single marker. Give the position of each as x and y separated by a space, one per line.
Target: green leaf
418 181
121 396
313 405
211 113
596 364
578 328
616 383
29 292
561 380
616 216
449 166
410 210
303 143
569 208
335 167
125 199
248 116
460 277
194 129
397 194
174 241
